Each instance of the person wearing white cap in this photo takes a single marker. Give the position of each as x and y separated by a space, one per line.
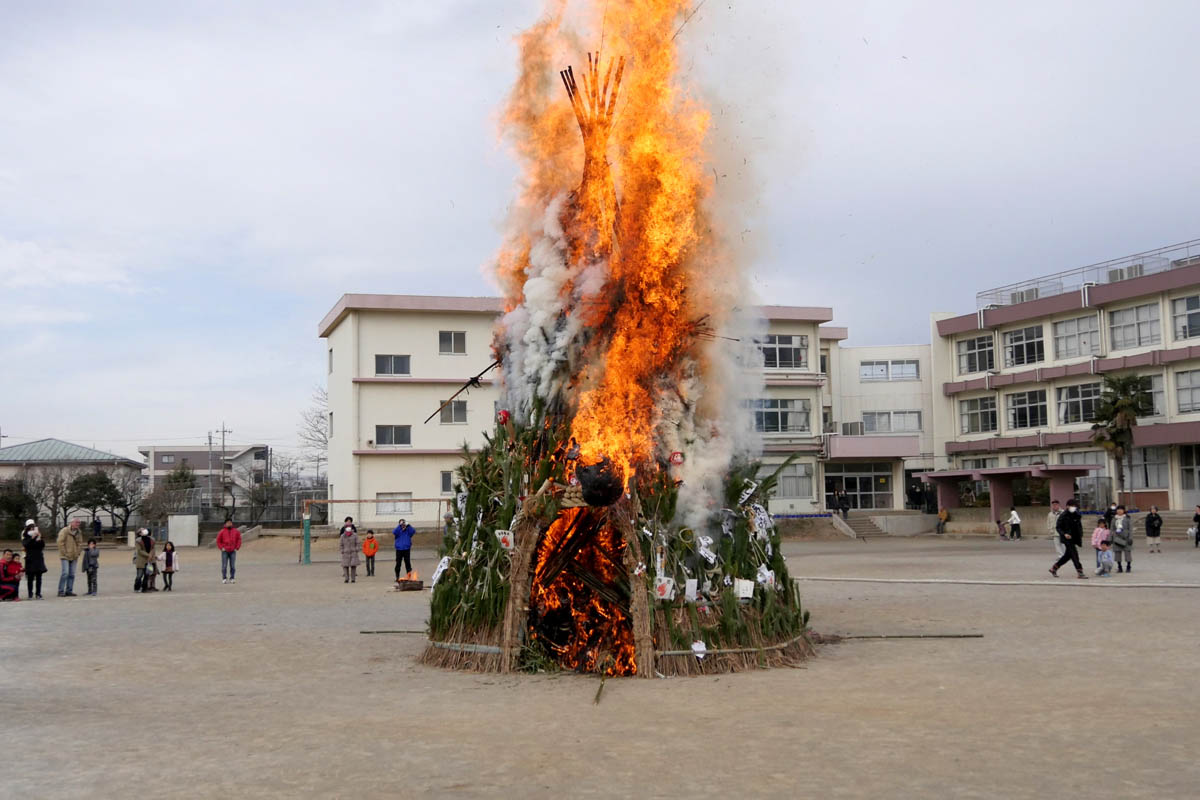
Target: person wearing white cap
35 559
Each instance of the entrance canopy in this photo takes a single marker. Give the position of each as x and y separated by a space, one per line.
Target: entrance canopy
1000 479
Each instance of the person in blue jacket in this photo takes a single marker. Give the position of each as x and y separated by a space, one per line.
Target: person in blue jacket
403 533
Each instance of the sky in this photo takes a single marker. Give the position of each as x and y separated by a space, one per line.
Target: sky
186 188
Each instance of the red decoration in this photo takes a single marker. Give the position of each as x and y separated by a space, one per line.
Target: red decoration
677 458
503 416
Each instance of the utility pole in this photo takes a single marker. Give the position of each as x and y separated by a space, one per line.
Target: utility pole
224 431
210 494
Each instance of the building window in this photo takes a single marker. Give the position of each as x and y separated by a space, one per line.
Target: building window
331 361
330 424
1024 346
980 463
977 415
452 342
393 435
824 362
454 412
392 365
976 355
1027 409
1081 457
867 484
1187 391
784 352
1158 396
1150 468
891 421
1078 403
795 482
167 459
873 370
1134 327
447 482
1185 314
780 416
906 370
391 504
1027 461
827 419
1077 337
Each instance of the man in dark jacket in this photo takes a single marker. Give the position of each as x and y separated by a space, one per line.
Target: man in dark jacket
1153 533
1070 533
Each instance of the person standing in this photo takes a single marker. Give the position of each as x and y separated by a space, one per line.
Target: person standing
348 523
144 560
1014 523
1109 514
1052 526
69 548
229 541
348 546
1153 534
1070 532
91 567
370 548
10 577
97 528
1122 539
843 503
403 534
943 518
1196 527
1100 536
168 565
35 558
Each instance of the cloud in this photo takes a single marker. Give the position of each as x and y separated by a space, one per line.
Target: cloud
30 264
42 316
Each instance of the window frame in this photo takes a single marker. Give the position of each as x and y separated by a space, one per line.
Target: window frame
965 413
799 473
874 364
974 351
447 481
1184 332
453 407
1152 323
916 364
1062 336
392 430
1029 407
392 358
767 408
456 337
795 343
1073 404
1023 339
1192 388
393 504
1140 469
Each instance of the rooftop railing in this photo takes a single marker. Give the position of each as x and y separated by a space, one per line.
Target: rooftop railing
1166 258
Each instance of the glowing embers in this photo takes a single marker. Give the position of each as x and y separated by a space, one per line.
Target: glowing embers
579 601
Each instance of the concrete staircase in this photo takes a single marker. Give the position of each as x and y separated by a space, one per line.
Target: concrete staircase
863 525
1175 524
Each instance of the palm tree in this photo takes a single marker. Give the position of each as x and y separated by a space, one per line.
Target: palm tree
1125 398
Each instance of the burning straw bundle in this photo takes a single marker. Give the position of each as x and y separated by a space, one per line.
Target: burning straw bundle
536 579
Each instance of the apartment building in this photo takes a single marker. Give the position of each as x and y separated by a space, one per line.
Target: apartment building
392 361
239 469
1018 381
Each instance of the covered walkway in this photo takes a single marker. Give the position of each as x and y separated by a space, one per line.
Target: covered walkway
1000 480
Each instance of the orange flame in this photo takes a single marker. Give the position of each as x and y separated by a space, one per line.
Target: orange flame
637 210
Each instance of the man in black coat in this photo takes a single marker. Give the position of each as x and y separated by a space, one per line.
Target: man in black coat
1070 533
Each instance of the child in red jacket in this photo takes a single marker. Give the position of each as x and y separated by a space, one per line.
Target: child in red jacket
10 576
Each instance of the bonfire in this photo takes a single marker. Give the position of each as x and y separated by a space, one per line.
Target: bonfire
615 520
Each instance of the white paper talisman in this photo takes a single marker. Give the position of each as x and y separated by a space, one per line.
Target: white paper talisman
747 491
505 538
664 588
766 576
689 589
437 573
699 648
705 549
744 589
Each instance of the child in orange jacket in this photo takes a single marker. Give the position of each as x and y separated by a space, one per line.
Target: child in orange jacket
370 548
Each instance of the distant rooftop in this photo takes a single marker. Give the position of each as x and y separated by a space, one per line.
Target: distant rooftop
56 451
1118 269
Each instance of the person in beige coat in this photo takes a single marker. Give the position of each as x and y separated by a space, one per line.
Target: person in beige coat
348 547
70 545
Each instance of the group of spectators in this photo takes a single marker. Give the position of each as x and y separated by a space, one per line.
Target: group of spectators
349 547
1112 538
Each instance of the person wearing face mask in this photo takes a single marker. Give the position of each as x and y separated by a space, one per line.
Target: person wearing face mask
1070 533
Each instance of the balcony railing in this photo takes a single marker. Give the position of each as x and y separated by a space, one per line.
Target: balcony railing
1174 256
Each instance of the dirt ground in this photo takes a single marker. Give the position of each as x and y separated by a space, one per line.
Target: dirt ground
267 688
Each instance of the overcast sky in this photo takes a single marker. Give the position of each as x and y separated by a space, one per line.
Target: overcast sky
187 188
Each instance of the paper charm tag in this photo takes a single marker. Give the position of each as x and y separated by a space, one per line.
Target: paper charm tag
689 590
744 589
462 502
770 550
660 554
437 573
505 538
664 588
726 522
748 490
640 569
766 576
708 555
700 648
728 581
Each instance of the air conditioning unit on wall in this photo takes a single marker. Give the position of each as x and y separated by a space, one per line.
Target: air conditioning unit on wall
1023 296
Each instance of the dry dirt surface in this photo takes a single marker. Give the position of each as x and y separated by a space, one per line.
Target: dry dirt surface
268 688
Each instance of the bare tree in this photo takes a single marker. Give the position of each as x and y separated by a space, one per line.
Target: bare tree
127 496
50 486
314 422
